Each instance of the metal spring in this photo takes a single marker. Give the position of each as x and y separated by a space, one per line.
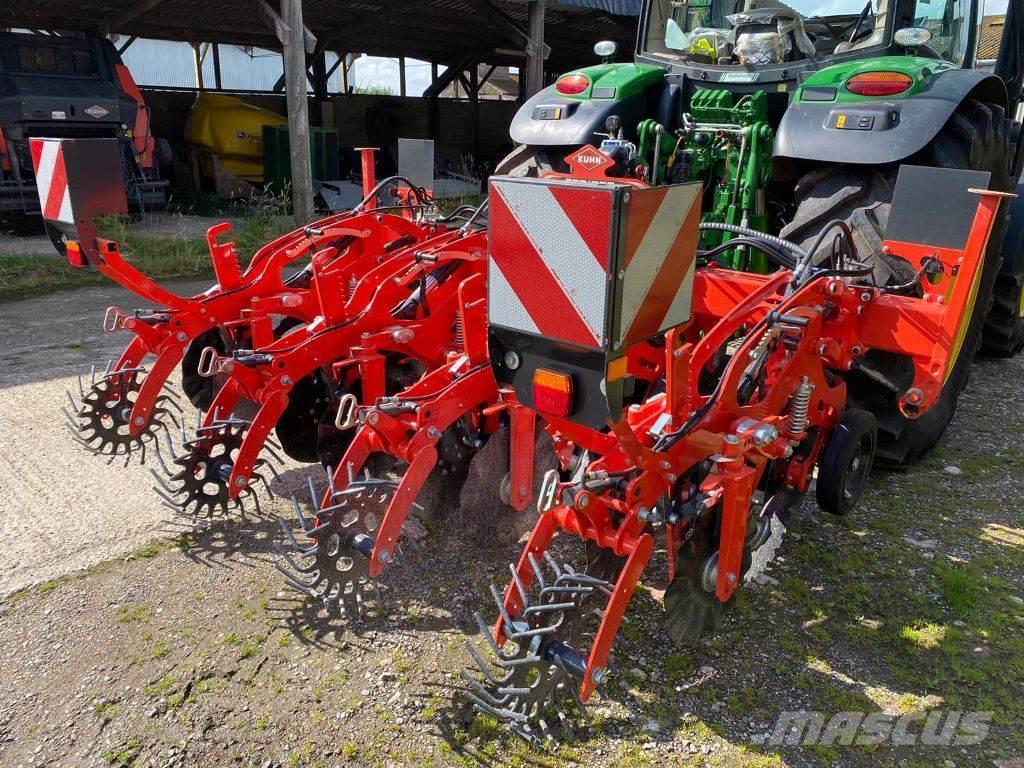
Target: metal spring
459 338
801 402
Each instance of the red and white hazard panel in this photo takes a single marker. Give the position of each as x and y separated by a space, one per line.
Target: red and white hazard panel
595 265
52 180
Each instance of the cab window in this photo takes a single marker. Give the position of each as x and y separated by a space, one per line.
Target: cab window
949 23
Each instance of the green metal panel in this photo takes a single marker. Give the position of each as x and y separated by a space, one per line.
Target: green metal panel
277 166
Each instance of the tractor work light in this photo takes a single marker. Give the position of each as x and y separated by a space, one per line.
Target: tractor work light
572 85
552 392
879 83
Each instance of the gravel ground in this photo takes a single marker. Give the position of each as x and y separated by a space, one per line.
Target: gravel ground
190 651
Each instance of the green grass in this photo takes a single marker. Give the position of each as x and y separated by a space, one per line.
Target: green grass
160 257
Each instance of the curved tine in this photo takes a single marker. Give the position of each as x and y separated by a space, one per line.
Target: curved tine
293 581
301 518
519 584
500 601
486 632
71 420
485 668
170 444
286 529
295 566
85 444
109 368
552 564
170 398
489 697
163 481
537 572
312 493
81 389
160 457
71 401
273 443
161 412
499 712
92 375
178 506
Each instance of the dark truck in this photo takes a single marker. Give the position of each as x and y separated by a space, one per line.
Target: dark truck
70 86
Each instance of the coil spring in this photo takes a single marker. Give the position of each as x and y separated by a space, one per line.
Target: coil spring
459 337
801 402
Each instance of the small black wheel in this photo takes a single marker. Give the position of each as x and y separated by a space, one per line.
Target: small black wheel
846 461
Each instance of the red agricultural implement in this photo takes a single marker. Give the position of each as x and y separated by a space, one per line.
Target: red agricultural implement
591 279
126 406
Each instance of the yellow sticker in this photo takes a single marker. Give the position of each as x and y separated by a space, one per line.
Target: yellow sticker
617 369
841 121
783 87
558 113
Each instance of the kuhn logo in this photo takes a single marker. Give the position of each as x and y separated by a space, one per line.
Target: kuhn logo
591 159
97 111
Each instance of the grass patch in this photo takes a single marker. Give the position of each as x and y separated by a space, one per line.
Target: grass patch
134 614
123 756
961 587
161 257
144 553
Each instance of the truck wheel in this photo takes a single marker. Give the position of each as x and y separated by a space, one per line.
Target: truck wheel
976 137
527 161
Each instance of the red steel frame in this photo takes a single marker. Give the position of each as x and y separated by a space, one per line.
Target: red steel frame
840 322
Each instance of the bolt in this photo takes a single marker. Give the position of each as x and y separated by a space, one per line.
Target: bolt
181 337
866 296
599 676
765 434
915 396
373 418
384 556
240 481
512 360
643 513
139 421
731 578
286 381
433 433
788 452
732 440
584 501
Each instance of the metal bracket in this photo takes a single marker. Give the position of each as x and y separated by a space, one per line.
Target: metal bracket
347 416
207 362
548 495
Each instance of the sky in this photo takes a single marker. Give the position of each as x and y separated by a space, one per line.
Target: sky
376 71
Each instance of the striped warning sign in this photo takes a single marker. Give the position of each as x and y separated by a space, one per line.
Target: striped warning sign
556 250
52 180
659 261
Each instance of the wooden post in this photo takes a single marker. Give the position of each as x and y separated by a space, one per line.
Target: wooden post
535 50
298 110
401 76
199 65
435 107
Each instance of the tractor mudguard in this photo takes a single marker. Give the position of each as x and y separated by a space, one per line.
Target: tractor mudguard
879 131
551 120
1013 240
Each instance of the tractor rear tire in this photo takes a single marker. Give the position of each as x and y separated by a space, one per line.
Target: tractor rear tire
976 138
1004 326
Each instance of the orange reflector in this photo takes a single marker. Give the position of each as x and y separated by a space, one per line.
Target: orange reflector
617 369
75 256
572 85
552 392
879 83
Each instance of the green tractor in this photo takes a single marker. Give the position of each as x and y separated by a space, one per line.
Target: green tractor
798 116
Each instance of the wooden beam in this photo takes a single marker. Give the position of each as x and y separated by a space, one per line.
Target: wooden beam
116 23
298 111
440 83
126 45
534 61
401 76
280 28
198 57
513 31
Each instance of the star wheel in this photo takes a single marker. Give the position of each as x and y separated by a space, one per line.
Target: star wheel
196 482
333 564
531 678
101 420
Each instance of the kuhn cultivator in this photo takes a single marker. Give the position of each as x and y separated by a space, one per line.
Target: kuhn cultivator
684 397
747 402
